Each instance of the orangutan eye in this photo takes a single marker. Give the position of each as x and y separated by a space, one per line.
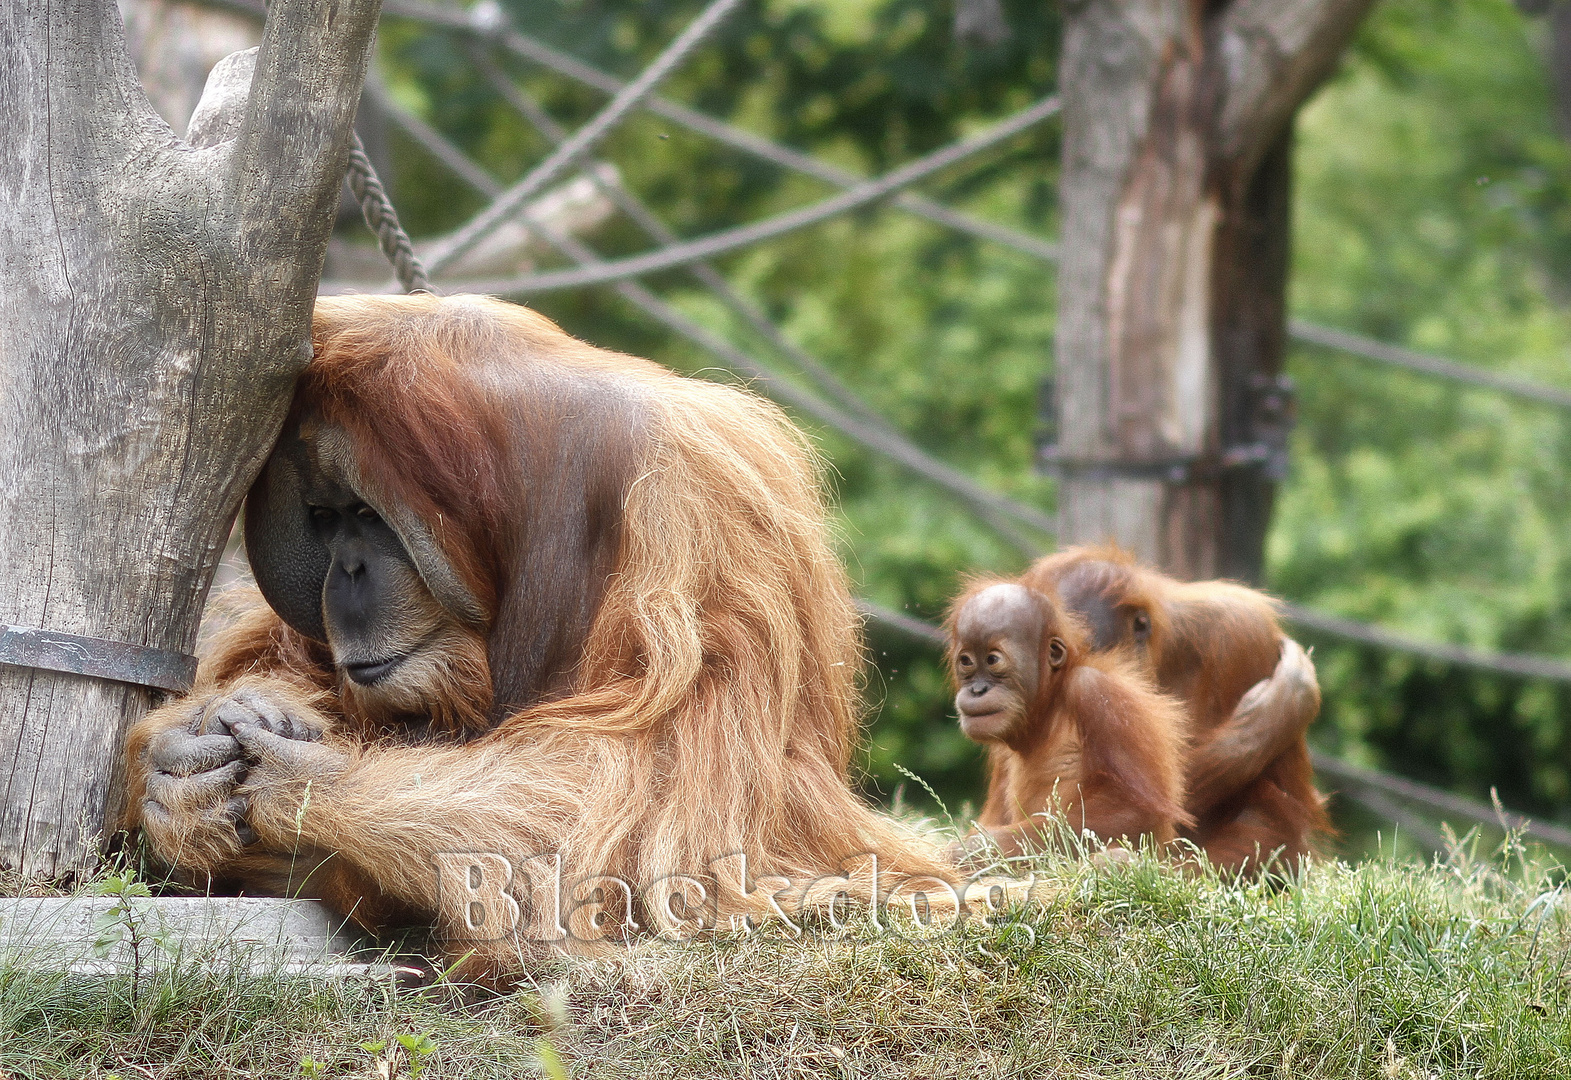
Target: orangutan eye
366 512
967 661
1142 623
994 659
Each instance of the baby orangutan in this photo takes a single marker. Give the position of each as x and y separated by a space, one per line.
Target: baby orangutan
1068 730
1248 690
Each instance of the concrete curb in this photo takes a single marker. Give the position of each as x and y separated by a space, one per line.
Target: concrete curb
258 936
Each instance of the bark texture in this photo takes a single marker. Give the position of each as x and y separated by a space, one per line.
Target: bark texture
1174 191
155 313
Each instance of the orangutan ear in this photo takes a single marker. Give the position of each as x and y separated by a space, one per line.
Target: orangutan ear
1057 652
287 557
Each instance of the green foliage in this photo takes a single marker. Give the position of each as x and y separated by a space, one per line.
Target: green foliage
1433 208
419 1048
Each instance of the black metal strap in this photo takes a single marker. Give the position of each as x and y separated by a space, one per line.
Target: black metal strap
29 646
1174 470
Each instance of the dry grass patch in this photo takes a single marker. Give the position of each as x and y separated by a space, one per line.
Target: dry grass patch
1379 970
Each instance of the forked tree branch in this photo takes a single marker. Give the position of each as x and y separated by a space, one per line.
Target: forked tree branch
1269 56
294 141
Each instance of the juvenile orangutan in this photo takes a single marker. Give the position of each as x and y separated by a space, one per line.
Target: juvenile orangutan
1249 691
1069 730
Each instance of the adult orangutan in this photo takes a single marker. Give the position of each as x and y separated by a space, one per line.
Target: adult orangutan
1070 731
530 599
1250 691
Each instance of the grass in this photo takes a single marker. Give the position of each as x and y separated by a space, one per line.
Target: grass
1379 970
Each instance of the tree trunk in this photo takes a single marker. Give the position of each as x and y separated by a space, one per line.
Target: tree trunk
156 312
1171 295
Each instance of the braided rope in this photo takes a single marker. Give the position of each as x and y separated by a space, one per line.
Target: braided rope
383 221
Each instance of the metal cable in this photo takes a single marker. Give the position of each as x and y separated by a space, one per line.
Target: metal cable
1407 821
755 232
431 140
510 202
1532 667
919 629
379 214
1438 800
1370 349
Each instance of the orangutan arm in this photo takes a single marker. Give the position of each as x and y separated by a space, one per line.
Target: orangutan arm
1268 721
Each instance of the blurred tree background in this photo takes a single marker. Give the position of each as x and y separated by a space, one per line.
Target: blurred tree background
1432 209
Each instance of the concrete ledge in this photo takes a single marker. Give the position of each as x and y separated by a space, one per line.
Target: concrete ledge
105 935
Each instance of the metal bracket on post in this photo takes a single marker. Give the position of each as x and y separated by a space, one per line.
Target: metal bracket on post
1272 414
118 661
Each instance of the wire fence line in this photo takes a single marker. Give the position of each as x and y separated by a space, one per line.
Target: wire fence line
431 140
574 148
486 22
1408 822
1438 800
917 629
1424 364
1532 667
720 243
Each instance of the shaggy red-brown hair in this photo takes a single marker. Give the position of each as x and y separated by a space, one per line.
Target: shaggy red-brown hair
1249 781
671 666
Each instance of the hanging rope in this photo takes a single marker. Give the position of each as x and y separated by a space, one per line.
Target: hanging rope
383 221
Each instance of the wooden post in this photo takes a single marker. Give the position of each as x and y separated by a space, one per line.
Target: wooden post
154 313
1174 195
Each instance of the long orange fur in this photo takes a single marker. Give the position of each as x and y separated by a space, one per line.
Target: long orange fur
709 706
